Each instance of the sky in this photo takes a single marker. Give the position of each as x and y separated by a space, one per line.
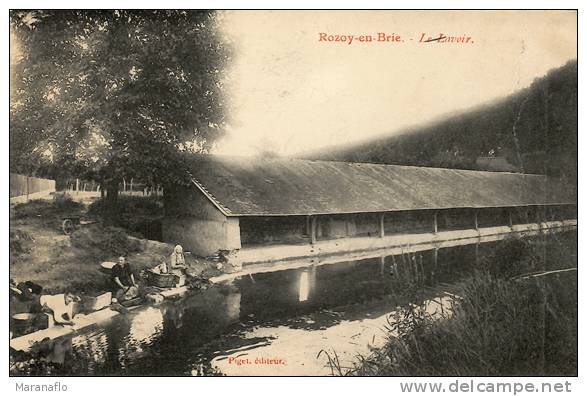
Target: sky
290 92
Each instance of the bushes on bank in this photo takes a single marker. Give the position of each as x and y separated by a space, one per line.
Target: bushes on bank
60 205
503 325
513 256
102 242
139 215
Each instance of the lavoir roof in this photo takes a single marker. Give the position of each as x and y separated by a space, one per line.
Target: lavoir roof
241 186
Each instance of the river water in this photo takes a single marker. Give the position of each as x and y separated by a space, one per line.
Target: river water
274 323
287 322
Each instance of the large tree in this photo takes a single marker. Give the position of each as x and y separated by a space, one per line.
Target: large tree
115 94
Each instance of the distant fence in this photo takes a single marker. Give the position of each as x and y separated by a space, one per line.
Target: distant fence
92 189
24 188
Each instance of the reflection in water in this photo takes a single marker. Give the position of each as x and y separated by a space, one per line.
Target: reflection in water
145 325
318 304
304 286
233 306
60 348
92 349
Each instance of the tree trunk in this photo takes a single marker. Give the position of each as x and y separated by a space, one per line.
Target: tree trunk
111 201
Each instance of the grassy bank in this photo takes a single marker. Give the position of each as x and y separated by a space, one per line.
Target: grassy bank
505 324
40 252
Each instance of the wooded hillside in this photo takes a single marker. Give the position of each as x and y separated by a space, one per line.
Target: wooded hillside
534 130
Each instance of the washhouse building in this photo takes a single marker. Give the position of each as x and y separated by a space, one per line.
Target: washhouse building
268 209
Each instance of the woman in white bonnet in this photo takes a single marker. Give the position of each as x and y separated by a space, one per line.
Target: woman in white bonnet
177 263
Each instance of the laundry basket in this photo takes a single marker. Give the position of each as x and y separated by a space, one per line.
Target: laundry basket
161 280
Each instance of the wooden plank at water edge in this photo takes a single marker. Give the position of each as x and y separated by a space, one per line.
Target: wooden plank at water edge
25 342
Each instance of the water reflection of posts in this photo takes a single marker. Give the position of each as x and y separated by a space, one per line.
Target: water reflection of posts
313 230
415 271
307 283
422 268
233 305
393 270
433 270
304 286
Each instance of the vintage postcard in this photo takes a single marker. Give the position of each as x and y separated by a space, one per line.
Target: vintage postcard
294 193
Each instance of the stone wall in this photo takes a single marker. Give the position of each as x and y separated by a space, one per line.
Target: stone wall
194 222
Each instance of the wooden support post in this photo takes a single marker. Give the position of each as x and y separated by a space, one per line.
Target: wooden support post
382 265
435 222
381 225
476 221
511 223
313 230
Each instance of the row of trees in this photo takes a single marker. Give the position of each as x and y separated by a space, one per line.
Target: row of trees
106 94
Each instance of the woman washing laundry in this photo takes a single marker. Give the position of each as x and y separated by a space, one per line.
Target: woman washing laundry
178 265
123 281
60 306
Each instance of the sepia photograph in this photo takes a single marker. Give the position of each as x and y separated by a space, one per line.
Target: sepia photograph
293 193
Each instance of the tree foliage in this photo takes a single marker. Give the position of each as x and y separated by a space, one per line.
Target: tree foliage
114 94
